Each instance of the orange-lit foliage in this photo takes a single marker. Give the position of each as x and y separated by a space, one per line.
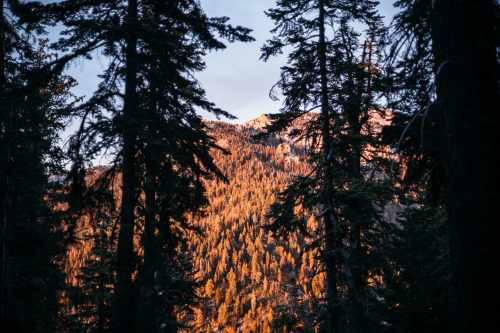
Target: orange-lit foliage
246 271
249 273
53 89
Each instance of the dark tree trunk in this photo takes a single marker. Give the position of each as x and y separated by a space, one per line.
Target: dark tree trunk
352 213
4 195
2 48
333 242
329 218
150 239
467 70
123 321
150 254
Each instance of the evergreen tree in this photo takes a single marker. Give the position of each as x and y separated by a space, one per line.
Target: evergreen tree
467 86
328 70
417 290
438 58
91 298
33 108
418 174
153 48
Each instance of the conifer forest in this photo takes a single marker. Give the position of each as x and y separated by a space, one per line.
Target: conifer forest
367 201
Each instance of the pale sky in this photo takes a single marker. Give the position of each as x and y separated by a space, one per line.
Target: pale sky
235 79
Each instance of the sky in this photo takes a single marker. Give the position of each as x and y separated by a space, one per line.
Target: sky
235 79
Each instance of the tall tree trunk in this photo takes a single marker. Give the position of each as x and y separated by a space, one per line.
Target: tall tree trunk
333 241
123 320
150 239
333 324
353 212
467 85
353 112
2 48
4 276
5 182
150 254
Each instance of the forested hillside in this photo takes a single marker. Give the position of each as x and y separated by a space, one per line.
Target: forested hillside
250 279
249 274
368 201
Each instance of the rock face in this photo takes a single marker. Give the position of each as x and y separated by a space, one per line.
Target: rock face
224 143
286 146
286 149
258 123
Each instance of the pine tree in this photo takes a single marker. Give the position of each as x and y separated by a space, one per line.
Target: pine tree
417 289
32 112
467 82
446 56
328 71
154 48
91 298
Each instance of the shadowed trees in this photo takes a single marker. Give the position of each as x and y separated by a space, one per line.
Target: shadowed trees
467 71
329 71
34 103
144 109
448 64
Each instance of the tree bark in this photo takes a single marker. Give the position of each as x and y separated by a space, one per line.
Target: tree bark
328 218
5 195
467 83
333 242
150 254
123 320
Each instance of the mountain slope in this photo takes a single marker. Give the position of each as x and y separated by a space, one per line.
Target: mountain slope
248 273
